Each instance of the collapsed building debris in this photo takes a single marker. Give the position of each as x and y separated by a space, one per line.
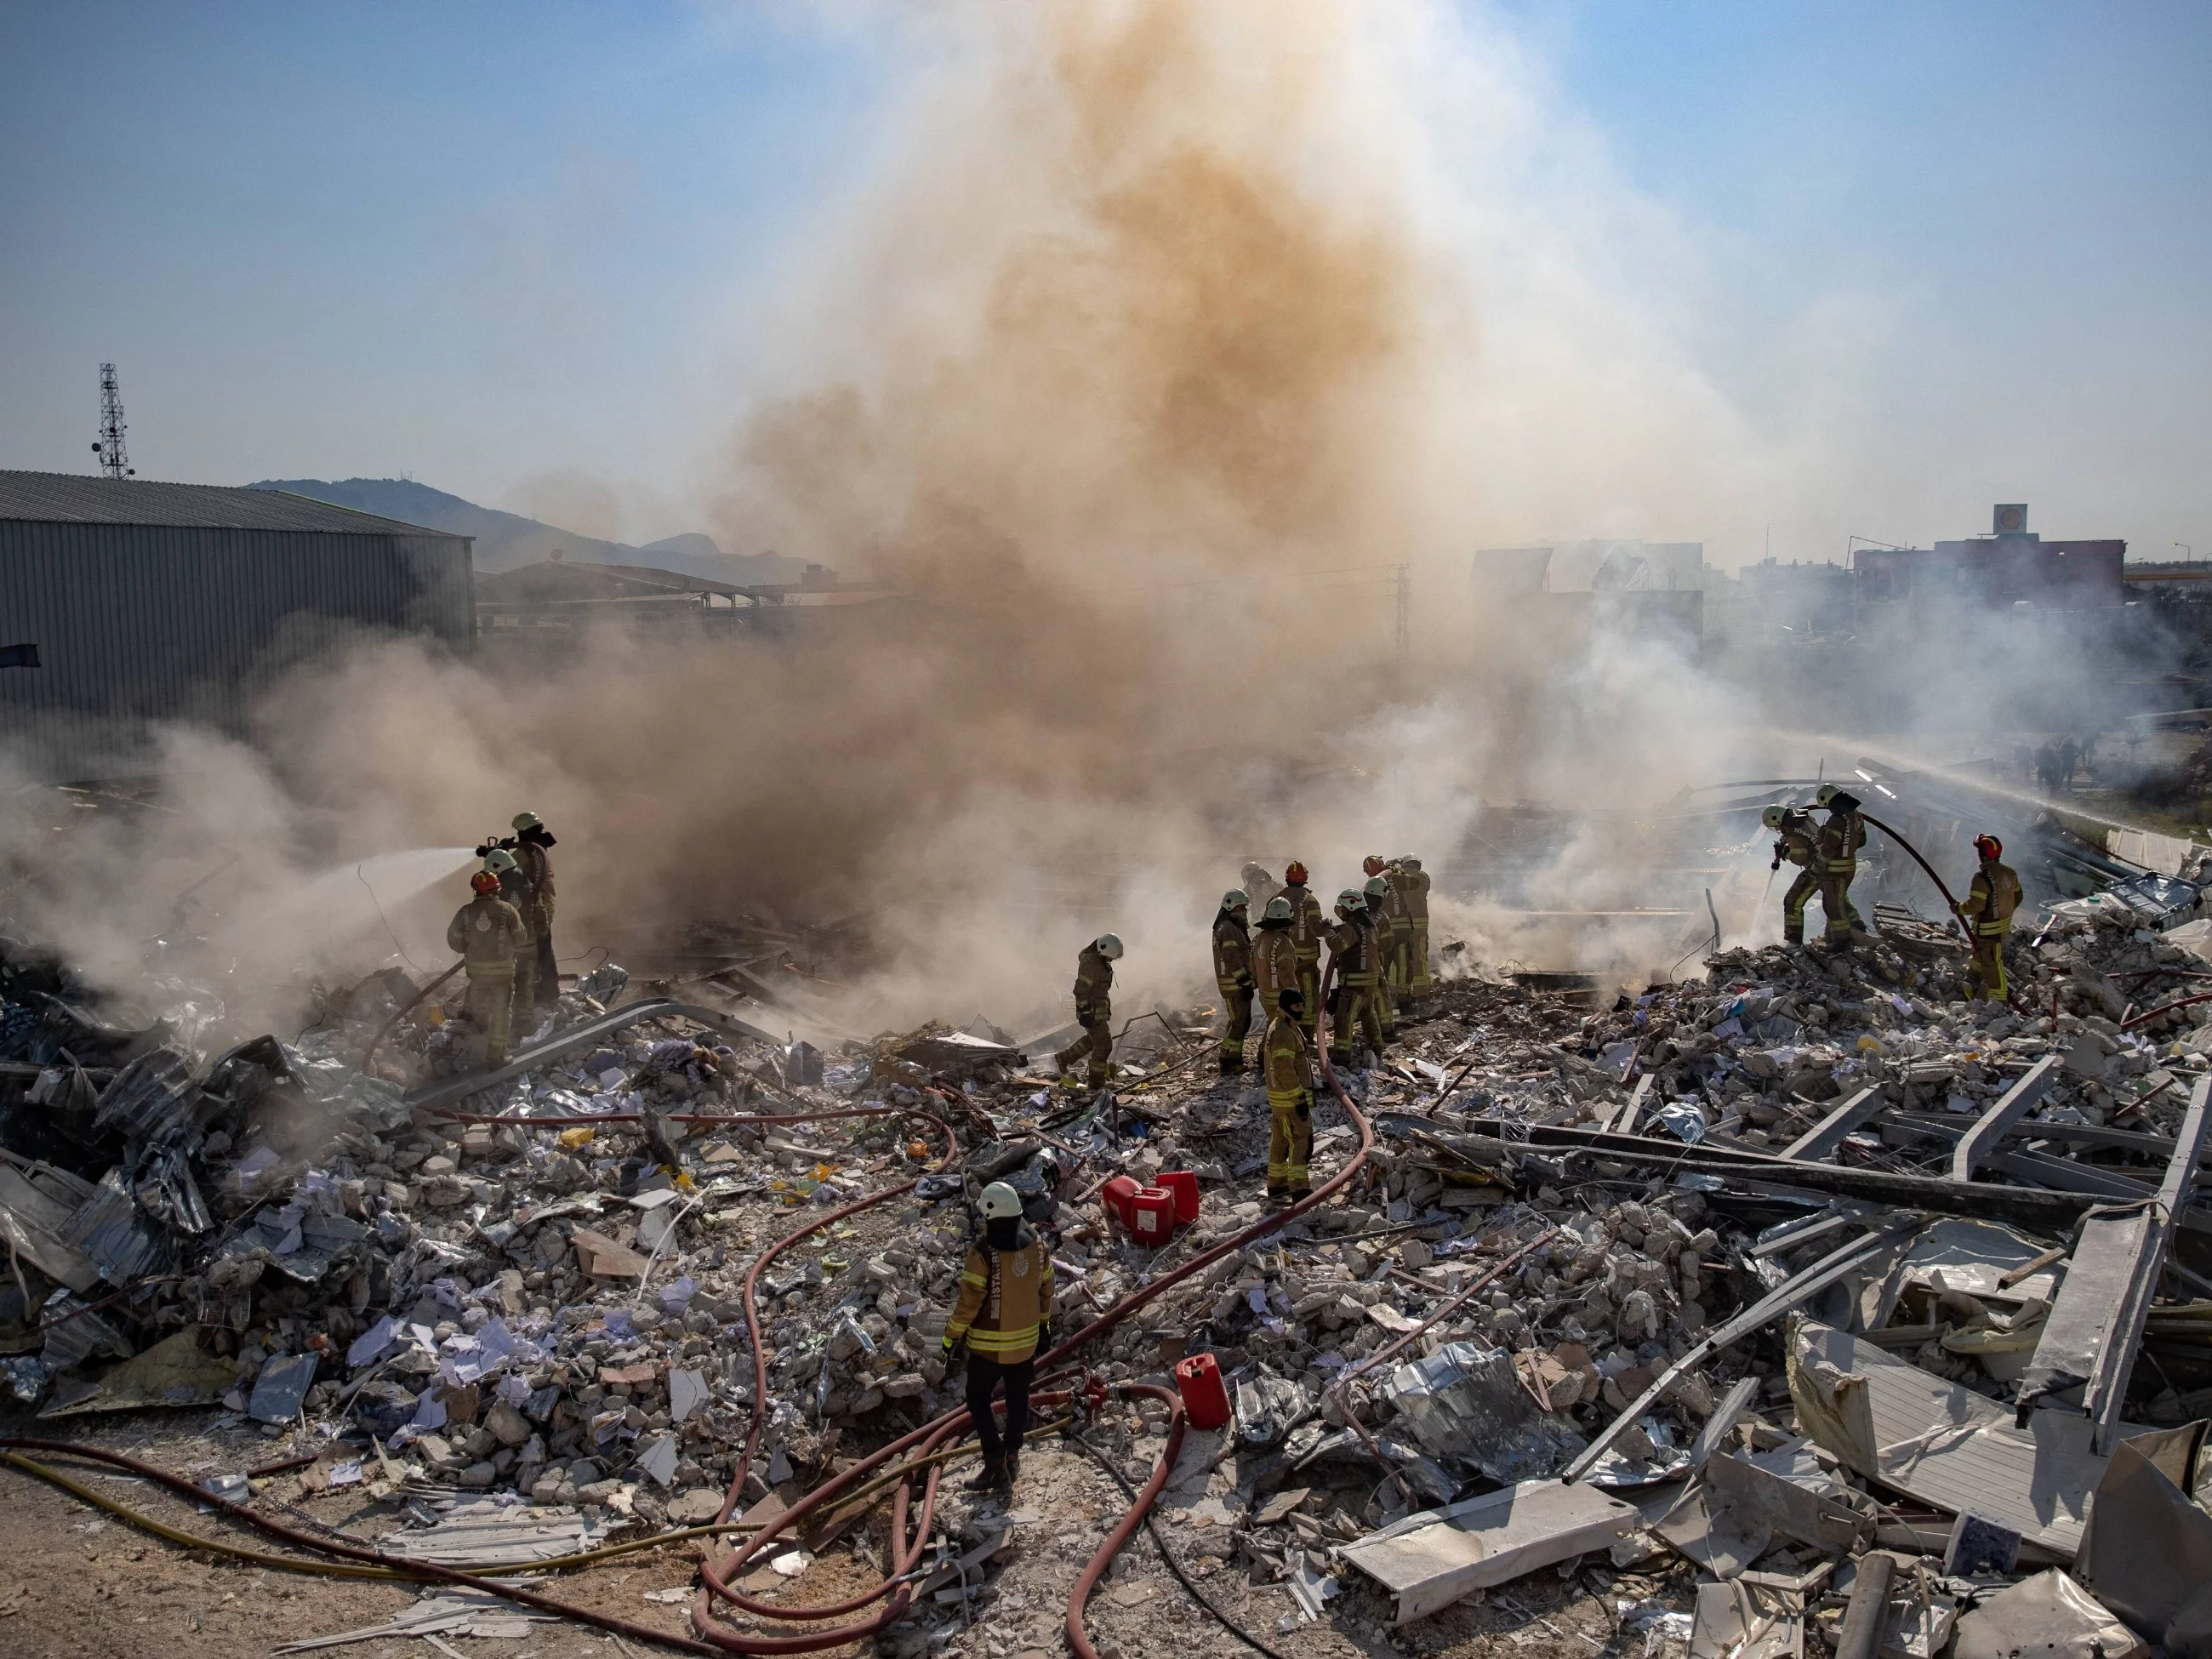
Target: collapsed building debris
1736 1287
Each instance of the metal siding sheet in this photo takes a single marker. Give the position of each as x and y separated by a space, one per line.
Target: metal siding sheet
138 622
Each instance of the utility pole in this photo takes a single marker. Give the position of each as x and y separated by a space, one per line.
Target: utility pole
112 461
1404 636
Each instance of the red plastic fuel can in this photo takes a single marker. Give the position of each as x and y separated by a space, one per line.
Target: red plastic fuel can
1152 1215
1115 1195
1183 1183
1205 1397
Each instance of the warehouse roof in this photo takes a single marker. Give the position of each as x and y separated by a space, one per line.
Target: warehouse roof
70 498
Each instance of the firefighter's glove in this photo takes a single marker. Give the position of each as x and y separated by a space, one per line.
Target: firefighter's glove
955 1350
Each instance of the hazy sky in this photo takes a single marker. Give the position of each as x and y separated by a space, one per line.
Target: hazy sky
513 251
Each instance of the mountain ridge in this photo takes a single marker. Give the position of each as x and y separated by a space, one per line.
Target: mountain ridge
507 541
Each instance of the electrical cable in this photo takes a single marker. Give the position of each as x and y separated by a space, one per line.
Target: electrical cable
1160 1543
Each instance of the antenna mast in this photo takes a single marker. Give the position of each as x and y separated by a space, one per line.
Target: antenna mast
112 461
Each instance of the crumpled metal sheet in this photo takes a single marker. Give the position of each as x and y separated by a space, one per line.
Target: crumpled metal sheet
152 1099
2046 1617
122 1241
1465 1402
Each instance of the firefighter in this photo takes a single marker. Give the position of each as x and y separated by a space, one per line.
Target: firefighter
1260 883
1419 980
514 888
1287 1060
490 937
1380 902
1988 913
1274 957
532 842
1400 954
1838 842
1354 955
1232 972
1004 1319
1094 1010
1307 928
1795 842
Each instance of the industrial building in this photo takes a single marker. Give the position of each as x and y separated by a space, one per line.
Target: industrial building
141 602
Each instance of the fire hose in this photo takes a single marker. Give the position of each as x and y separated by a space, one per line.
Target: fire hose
896 1591
1914 854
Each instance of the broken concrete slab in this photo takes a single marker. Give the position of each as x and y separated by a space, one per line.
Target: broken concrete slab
1431 1559
601 1257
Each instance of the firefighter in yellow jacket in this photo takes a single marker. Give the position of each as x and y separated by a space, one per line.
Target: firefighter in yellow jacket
1232 972
1274 957
533 845
1094 1010
490 936
1988 912
1289 1066
1003 1319
1353 954
514 888
1308 928
1839 844
1794 843
1389 971
1419 980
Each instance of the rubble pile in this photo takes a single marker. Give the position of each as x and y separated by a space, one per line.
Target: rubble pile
1731 1291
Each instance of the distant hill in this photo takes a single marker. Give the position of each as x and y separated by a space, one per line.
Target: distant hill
508 541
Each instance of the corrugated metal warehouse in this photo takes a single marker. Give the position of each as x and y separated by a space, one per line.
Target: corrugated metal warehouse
153 602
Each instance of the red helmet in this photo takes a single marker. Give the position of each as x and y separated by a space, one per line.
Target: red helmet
1374 865
1295 874
485 882
1988 847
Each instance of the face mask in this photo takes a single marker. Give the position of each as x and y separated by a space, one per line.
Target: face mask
1002 1232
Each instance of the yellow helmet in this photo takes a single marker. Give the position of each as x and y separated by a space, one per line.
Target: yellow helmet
1773 816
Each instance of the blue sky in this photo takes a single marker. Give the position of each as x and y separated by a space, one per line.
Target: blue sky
486 245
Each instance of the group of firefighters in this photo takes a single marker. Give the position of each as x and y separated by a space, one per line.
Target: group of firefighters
505 936
1378 948
1826 856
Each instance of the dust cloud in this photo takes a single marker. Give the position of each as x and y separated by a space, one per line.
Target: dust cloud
1163 332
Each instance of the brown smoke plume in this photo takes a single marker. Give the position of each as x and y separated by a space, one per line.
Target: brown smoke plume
1148 309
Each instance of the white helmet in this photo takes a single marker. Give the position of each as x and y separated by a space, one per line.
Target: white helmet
1235 899
1108 945
1825 793
1278 910
999 1202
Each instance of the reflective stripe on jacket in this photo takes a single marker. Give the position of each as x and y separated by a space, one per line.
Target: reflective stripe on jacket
1289 1064
1992 899
490 934
1005 1296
